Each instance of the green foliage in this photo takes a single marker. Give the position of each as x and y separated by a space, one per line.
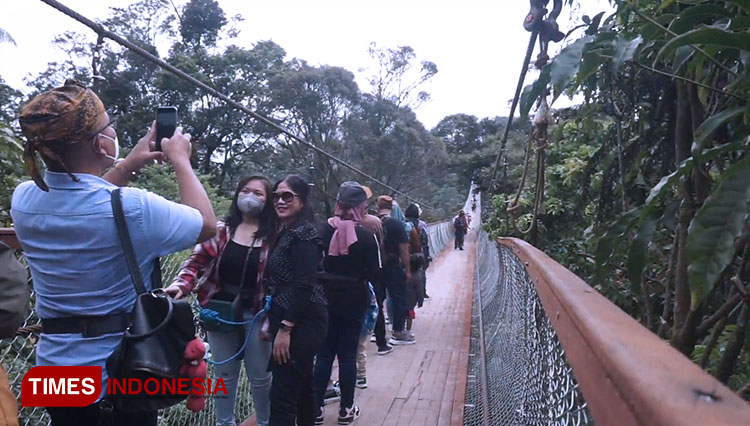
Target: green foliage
708 127
710 244
201 22
653 148
711 36
11 170
741 375
638 253
461 133
160 179
625 50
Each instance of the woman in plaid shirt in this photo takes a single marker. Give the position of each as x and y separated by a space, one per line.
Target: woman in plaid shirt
226 272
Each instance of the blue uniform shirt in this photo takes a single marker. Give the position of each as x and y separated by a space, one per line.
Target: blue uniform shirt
71 244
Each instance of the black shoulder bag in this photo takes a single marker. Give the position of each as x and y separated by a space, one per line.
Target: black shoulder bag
153 345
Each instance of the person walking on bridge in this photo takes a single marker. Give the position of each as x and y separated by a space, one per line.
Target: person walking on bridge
351 261
460 226
412 215
373 224
396 271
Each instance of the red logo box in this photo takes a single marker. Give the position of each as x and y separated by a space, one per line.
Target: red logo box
61 386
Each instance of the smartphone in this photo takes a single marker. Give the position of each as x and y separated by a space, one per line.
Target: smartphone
166 123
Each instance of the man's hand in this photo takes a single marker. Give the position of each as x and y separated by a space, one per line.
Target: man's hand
143 154
177 148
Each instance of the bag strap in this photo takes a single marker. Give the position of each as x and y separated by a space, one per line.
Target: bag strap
127 243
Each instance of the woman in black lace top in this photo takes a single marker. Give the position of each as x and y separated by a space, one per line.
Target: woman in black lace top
298 314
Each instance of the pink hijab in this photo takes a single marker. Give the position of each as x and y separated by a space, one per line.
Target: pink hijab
344 223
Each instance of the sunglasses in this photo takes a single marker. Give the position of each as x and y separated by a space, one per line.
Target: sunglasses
285 196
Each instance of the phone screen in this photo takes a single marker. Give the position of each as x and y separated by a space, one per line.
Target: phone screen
166 123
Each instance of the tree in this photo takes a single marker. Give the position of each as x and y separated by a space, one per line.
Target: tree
201 22
395 78
6 38
313 102
461 133
402 154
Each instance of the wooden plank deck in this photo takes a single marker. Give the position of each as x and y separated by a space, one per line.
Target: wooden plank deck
425 383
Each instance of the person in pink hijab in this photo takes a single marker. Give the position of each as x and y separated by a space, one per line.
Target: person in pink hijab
351 261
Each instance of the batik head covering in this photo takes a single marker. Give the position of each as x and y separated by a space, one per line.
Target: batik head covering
62 116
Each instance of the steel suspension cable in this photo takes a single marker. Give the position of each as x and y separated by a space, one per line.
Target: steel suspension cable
521 78
101 31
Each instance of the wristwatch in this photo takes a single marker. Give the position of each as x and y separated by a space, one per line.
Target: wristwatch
284 327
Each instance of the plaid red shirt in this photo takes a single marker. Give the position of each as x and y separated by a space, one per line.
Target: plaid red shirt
200 272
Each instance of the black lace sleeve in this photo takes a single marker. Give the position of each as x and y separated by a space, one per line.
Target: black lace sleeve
305 256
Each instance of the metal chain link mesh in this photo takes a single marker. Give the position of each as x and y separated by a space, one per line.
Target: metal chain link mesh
18 357
439 234
518 374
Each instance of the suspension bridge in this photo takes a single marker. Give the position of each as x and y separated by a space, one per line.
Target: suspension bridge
508 337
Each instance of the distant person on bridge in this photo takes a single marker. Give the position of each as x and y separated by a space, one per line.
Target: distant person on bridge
395 273
351 261
229 268
460 226
66 227
414 293
412 215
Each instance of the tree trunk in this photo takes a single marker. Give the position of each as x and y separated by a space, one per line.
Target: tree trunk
683 141
669 288
734 347
701 184
688 336
647 319
718 329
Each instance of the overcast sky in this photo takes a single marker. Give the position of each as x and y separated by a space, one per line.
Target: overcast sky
478 45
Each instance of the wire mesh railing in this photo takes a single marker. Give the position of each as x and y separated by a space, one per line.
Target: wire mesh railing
439 234
518 374
18 356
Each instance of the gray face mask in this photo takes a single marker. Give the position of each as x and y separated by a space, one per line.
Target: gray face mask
250 205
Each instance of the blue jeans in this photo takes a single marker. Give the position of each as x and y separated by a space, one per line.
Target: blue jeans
256 356
342 342
394 280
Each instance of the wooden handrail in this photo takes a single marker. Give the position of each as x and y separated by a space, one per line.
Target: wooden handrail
628 375
8 236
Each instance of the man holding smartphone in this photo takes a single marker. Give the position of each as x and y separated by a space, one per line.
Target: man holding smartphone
66 227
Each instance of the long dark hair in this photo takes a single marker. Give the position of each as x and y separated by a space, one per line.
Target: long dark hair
265 222
302 188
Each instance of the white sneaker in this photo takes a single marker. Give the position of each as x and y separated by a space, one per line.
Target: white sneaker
402 339
347 416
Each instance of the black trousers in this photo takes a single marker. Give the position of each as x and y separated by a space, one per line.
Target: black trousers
96 415
380 294
459 242
292 388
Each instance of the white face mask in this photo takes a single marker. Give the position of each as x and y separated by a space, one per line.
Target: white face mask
117 147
